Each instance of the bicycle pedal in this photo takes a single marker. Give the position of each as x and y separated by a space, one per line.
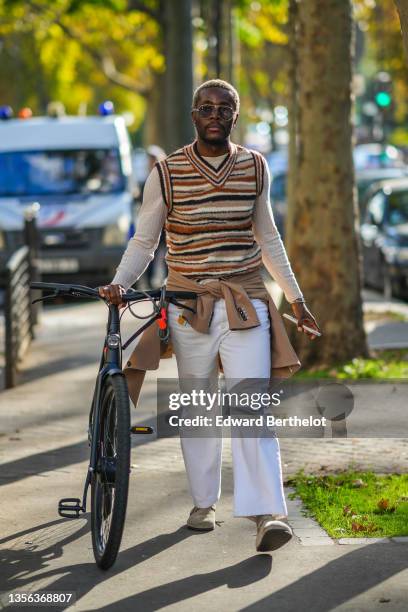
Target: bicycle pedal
139 429
70 507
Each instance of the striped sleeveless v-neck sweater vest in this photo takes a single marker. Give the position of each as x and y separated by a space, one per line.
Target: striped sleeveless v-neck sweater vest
209 212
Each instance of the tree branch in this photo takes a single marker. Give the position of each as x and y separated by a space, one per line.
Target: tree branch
107 64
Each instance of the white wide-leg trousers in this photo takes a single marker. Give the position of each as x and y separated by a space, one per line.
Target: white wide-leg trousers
258 485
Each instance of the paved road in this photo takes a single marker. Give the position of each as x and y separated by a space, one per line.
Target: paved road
162 564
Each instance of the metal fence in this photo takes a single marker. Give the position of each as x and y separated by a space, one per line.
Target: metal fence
20 315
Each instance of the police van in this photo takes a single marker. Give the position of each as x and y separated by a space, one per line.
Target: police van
75 173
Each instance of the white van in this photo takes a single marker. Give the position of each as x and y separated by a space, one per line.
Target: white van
77 173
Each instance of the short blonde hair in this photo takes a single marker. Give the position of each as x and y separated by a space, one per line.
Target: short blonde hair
217 83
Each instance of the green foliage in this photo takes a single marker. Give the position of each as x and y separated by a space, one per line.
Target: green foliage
372 368
263 74
114 5
387 365
356 504
384 49
79 52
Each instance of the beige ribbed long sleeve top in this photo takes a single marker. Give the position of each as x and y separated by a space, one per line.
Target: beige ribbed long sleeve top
151 218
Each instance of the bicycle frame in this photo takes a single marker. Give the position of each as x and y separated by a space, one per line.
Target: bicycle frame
110 365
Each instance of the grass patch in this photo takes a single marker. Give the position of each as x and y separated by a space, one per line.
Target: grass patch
386 315
356 504
386 364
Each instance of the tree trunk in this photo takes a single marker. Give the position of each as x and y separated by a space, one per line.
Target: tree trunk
179 73
402 7
324 247
292 112
155 125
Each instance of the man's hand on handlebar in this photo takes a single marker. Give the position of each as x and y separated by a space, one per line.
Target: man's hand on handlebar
113 293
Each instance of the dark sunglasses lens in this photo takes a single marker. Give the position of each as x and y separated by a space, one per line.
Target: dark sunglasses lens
226 112
206 110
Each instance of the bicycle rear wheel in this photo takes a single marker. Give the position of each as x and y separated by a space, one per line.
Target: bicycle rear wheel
110 482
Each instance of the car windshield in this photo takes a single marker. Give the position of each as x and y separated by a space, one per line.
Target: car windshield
31 173
398 208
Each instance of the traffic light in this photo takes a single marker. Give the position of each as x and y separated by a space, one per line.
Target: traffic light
383 90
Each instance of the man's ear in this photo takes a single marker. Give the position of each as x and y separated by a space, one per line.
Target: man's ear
235 121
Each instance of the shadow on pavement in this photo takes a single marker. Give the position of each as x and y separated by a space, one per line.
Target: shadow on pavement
40 545
322 590
47 461
21 567
56 459
236 576
338 581
56 366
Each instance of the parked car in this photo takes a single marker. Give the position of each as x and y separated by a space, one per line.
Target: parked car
374 162
368 178
77 171
384 238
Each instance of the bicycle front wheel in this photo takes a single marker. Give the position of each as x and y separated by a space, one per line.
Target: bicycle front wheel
110 482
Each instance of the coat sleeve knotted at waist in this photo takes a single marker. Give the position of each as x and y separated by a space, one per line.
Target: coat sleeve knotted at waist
237 293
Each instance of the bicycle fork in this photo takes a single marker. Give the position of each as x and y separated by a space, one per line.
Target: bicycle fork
72 507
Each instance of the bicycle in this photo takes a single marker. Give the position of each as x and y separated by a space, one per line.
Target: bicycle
109 418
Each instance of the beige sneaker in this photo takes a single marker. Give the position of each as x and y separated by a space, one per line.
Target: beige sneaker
202 519
273 531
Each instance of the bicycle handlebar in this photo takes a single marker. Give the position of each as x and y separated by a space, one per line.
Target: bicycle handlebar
130 296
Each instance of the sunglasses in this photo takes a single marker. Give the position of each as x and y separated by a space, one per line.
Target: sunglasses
206 110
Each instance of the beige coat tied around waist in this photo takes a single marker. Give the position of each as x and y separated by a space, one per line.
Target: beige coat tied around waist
237 291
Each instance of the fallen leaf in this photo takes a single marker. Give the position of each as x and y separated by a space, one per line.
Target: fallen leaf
360 527
357 526
383 504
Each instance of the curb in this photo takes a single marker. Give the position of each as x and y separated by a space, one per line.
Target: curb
357 541
306 529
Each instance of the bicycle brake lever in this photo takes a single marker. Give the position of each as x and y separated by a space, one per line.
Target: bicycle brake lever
46 297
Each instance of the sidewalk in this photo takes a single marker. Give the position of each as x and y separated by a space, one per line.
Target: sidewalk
386 333
162 565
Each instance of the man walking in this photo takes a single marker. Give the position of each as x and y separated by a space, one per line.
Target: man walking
212 197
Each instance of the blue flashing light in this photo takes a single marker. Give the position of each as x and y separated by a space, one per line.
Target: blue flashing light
6 112
106 108
131 231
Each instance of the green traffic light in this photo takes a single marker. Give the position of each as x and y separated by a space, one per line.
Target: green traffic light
383 98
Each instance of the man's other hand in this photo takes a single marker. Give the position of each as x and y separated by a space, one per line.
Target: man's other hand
305 317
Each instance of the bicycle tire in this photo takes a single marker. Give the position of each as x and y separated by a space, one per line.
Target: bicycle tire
109 493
